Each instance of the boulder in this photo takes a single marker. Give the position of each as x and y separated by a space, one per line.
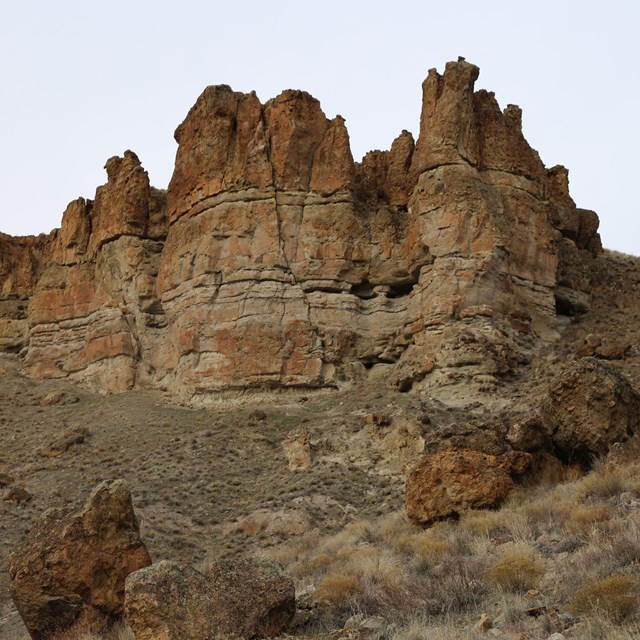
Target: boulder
448 483
588 408
242 598
297 449
72 565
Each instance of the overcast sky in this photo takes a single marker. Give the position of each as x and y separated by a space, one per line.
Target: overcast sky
83 81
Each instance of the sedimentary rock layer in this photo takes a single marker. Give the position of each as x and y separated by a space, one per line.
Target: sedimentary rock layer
274 259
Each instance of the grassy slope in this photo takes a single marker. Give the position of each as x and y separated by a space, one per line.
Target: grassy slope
195 473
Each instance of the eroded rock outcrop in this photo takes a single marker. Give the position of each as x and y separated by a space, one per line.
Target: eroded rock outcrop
588 408
234 598
449 482
274 259
71 567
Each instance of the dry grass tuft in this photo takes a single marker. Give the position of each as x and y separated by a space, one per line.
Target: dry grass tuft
518 569
336 590
616 598
84 632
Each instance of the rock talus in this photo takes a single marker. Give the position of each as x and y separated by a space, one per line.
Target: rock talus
275 260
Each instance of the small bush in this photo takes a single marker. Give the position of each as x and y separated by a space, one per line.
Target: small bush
337 589
616 597
607 483
426 545
83 631
320 561
583 518
519 569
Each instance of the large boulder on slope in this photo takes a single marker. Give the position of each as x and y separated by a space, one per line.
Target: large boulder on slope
240 598
72 565
588 408
448 483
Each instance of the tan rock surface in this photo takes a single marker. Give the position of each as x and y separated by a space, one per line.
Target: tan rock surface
297 450
274 260
234 598
72 565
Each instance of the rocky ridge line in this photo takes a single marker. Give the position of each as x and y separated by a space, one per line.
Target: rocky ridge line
275 260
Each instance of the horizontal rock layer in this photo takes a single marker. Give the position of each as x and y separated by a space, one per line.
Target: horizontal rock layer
274 259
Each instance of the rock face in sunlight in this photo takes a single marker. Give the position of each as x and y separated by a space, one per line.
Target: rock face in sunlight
275 260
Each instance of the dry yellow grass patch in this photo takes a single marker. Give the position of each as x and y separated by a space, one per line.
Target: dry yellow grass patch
517 569
616 597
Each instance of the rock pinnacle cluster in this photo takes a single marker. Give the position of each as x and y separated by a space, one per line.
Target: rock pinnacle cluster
273 260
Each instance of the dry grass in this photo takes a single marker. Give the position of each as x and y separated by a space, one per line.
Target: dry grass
82 632
616 598
517 569
529 555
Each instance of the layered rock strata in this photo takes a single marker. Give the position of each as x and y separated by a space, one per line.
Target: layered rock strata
274 259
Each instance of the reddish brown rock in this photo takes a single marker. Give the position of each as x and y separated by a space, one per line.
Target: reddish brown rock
450 482
234 598
397 184
72 565
274 260
588 408
222 147
333 168
121 206
297 127
72 240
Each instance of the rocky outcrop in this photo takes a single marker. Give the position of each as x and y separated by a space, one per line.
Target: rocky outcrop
71 567
93 313
588 408
234 598
450 482
274 259
297 449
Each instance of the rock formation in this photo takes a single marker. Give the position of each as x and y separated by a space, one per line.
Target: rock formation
448 483
274 259
234 598
589 408
72 566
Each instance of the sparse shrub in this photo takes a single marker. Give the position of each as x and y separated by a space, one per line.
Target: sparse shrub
455 584
519 526
320 561
518 569
584 517
603 484
547 512
336 590
392 526
433 548
616 597
426 545
83 632
482 522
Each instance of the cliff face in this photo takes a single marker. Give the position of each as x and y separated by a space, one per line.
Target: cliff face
273 259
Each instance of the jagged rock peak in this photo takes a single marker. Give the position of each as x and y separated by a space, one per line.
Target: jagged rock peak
273 259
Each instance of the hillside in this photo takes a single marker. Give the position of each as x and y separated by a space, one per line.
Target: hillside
277 351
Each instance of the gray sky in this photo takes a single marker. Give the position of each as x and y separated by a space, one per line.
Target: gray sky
83 81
